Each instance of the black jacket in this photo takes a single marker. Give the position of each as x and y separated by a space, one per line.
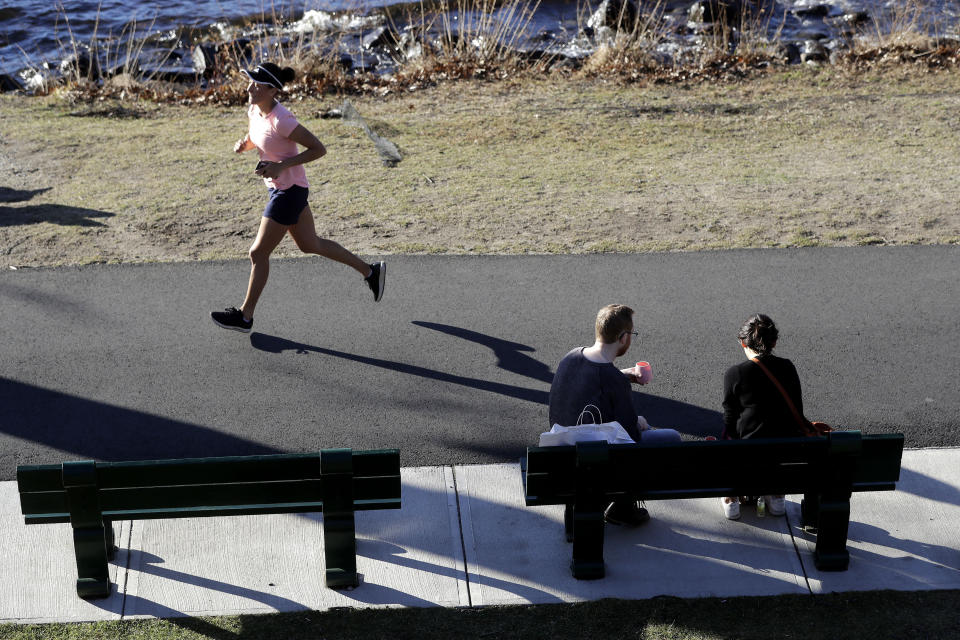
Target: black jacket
753 407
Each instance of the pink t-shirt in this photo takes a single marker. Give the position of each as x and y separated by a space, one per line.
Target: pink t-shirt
270 133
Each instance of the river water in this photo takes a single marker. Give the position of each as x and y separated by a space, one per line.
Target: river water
36 35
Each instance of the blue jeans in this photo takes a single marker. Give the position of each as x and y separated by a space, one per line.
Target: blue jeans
659 435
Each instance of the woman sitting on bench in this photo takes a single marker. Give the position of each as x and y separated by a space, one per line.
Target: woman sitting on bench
753 406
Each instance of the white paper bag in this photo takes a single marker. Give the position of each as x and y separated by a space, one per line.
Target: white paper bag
612 432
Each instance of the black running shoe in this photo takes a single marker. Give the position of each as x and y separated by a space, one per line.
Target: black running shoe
376 279
232 318
630 514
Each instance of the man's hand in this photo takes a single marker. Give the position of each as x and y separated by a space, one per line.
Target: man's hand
241 145
631 375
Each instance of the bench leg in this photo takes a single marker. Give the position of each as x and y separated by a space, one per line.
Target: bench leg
339 525
832 525
340 550
587 513
587 521
810 510
92 534
109 539
568 521
833 508
93 576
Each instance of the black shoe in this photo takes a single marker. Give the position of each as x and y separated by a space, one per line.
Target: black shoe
629 514
376 279
232 318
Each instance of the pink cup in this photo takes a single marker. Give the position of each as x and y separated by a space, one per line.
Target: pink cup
644 372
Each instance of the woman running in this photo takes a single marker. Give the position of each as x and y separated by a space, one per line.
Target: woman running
275 133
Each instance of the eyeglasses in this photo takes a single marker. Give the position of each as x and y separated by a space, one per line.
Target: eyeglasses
632 333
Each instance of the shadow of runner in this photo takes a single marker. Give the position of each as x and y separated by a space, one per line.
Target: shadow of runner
54 213
509 356
274 344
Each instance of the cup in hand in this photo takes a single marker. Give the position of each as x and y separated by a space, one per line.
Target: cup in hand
643 372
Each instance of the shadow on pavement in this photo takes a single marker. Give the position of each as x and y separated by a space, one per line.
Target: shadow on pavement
274 344
150 564
510 447
95 430
688 419
660 412
509 354
399 556
885 560
922 485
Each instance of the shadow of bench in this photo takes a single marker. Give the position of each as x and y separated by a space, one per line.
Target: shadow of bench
826 470
91 495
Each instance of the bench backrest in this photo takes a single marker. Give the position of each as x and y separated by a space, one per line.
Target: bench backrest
722 468
150 489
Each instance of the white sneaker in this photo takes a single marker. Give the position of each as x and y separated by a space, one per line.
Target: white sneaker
731 510
775 505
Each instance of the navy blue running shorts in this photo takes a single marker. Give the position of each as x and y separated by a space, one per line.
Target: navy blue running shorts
285 205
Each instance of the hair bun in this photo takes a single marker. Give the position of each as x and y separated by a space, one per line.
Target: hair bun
287 75
759 333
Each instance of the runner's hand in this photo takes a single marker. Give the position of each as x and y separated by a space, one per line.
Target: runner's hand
271 170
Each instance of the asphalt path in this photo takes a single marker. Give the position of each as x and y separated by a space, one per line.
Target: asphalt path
121 362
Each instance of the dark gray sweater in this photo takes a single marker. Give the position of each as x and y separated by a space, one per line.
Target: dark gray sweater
579 382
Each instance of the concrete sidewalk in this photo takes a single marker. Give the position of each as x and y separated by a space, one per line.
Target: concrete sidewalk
464 538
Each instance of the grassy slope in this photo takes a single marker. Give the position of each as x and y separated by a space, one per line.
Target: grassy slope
797 157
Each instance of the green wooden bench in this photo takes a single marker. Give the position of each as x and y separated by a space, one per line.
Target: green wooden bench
91 495
826 470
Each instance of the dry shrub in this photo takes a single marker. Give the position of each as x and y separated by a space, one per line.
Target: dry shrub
477 40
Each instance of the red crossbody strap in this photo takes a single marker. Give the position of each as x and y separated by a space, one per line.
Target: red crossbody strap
804 424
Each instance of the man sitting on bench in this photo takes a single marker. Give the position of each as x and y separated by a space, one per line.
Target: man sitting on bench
587 376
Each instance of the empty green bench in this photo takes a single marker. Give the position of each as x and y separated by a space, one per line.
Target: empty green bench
91 495
826 470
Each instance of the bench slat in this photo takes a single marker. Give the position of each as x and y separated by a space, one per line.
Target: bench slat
40 477
233 510
367 491
46 502
709 469
212 495
238 469
243 510
266 468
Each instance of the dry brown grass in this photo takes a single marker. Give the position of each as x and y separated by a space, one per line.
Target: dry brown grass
798 158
